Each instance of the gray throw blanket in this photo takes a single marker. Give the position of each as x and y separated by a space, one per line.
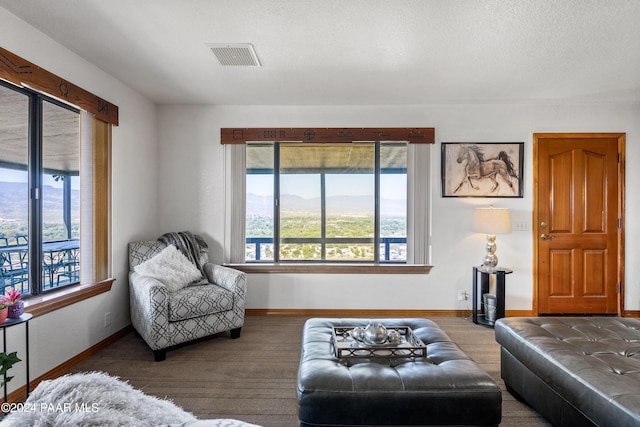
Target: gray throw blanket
191 246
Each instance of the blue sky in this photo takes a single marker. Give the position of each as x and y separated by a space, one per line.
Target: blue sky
11 175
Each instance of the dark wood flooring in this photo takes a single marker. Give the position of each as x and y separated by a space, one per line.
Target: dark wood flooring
254 378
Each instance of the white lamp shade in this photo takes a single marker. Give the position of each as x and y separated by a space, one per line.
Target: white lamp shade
492 220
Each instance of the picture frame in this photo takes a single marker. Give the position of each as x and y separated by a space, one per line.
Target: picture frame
482 169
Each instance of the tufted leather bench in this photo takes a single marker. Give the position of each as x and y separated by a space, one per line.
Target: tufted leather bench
574 371
446 388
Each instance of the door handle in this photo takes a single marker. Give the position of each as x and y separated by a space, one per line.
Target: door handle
547 236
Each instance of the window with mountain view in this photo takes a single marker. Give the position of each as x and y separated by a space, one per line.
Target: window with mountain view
342 202
39 192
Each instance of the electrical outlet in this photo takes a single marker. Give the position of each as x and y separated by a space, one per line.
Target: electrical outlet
107 319
520 226
463 296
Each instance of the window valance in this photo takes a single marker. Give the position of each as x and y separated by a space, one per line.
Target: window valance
23 73
333 135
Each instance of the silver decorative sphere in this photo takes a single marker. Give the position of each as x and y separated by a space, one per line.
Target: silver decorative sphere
394 337
375 333
358 333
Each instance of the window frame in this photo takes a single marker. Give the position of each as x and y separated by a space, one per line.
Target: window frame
323 240
36 172
418 229
22 74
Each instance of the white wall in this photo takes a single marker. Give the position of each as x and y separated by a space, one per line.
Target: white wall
63 334
192 196
181 187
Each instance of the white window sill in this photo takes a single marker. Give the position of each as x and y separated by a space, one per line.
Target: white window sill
308 268
51 301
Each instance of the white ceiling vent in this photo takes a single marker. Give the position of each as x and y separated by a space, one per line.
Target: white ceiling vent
238 54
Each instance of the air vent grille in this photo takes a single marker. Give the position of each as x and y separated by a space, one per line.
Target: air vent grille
242 55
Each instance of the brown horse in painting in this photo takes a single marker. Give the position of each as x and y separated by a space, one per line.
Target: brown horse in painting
479 169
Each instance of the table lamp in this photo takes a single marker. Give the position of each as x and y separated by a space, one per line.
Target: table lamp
491 221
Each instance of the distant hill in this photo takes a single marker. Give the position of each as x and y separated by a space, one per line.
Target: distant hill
14 201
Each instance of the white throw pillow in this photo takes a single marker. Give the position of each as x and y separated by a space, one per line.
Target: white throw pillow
171 268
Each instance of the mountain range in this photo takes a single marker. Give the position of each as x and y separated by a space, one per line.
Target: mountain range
14 201
263 205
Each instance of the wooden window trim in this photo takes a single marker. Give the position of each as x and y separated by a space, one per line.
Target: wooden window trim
22 72
102 179
55 300
346 135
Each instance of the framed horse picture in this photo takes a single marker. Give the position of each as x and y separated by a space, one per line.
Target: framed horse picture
482 169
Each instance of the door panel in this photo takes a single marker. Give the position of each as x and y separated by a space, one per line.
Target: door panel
595 177
595 272
559 212
576 223
560 283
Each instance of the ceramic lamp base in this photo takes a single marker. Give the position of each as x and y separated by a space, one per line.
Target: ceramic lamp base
490 260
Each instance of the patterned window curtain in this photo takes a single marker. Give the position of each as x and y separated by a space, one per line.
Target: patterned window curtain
235 202
419 209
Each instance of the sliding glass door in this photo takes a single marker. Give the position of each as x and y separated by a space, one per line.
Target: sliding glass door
39 192
14 190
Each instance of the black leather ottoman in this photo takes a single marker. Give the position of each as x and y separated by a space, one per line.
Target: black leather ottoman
575 371
446 388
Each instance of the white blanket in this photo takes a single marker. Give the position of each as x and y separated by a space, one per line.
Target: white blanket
97 399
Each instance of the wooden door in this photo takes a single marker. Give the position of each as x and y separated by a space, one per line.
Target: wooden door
578 187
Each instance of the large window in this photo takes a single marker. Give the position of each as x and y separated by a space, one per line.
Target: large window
56 138
326 202
39 192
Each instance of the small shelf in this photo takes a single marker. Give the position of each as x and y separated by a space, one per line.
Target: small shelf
481 287
24 318
482 320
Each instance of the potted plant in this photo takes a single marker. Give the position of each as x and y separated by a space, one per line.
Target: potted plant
4 311
7 360
13 301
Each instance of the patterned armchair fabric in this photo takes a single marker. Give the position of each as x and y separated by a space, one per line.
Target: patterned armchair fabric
165 319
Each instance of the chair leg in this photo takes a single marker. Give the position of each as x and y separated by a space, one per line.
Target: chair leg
159 355
235 333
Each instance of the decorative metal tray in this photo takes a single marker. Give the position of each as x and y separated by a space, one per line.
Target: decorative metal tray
409 345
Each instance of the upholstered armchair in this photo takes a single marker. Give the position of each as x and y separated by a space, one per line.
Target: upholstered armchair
166 315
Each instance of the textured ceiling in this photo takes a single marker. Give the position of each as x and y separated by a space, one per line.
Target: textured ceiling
369 52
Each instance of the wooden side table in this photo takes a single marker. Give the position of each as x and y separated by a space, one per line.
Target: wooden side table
7 324
483 285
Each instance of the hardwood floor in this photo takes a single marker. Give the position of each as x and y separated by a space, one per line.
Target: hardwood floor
254 378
